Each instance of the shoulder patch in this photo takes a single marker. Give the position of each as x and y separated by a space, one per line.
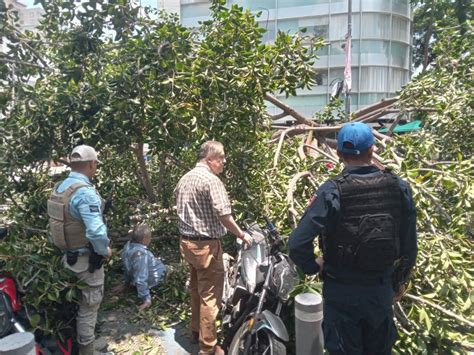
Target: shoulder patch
91 197
94 208
311 201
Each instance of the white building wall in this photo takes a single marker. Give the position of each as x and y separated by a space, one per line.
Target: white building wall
171 6
28 18
380 43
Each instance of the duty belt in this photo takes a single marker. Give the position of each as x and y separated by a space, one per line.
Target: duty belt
198 237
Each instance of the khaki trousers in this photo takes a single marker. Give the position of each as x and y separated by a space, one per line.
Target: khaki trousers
207 282
89 302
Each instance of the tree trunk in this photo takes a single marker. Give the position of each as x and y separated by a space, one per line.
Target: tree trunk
143 172
161 181
426 46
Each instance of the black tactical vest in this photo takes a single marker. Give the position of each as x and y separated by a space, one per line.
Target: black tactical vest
366 237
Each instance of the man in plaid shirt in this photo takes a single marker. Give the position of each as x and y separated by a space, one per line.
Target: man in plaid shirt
204 213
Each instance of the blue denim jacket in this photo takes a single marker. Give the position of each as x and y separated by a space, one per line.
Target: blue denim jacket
142 269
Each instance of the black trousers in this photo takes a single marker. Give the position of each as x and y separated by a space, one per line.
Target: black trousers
358 319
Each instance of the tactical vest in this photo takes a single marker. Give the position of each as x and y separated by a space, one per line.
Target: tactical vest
366 237
67 232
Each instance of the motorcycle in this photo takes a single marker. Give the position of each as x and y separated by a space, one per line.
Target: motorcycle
14 317
9 301
256 294
9 306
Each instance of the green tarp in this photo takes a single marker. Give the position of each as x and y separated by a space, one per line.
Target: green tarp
404 128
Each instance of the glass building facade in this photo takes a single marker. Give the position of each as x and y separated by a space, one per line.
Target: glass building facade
381 43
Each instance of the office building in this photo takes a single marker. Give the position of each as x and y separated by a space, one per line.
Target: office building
381 42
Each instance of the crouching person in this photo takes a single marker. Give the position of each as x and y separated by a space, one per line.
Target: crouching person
142 269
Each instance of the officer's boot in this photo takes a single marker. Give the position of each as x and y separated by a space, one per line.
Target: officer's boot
86 349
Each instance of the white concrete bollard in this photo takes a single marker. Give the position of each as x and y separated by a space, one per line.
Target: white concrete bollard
18 344
308 324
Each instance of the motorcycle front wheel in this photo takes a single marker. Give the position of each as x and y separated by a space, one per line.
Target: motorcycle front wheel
262 343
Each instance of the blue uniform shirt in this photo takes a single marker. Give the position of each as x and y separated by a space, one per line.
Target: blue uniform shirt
85 204
322 215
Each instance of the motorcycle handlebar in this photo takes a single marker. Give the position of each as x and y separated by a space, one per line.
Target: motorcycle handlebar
273 231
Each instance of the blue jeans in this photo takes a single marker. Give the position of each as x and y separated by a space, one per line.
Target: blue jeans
358 319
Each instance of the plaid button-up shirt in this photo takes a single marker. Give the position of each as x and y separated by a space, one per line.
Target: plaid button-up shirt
200 199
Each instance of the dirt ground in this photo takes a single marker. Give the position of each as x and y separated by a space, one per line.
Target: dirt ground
126 337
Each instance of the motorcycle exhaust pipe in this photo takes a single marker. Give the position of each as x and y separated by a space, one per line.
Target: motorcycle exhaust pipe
19 328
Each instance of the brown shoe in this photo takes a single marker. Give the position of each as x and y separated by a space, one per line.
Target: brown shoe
194 337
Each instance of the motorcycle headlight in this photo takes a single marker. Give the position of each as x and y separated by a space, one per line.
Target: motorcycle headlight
284 278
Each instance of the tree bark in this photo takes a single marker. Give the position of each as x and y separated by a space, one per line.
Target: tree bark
426 46
143 172
297 116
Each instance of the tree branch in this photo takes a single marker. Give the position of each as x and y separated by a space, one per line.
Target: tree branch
19 62
278 116
138 151
291 189
327 155
297 116
446 312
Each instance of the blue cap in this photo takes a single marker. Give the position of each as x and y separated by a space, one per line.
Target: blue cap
358 134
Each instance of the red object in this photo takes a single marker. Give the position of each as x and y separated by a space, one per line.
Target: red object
8 287
65 351
330 166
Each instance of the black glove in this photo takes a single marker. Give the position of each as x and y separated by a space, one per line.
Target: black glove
108 204
398 276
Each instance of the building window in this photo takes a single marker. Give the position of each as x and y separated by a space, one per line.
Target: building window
259 5
401 7
321 78
374 79
293 3
375 26
195 10
374 52
375 5
269 36
399 54
369 99
323 51
317 30
400 29
398 78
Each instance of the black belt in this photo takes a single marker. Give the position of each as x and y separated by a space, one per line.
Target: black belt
197 237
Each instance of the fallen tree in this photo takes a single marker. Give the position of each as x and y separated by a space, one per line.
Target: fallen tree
162 85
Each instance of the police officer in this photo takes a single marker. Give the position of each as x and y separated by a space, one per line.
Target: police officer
366 221
77 228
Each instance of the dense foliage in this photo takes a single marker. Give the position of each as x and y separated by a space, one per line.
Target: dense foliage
146 93
430 19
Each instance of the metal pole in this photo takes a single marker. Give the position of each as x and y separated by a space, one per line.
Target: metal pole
308 324
18 344
349 36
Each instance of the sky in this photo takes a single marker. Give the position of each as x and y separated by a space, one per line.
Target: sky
151 3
